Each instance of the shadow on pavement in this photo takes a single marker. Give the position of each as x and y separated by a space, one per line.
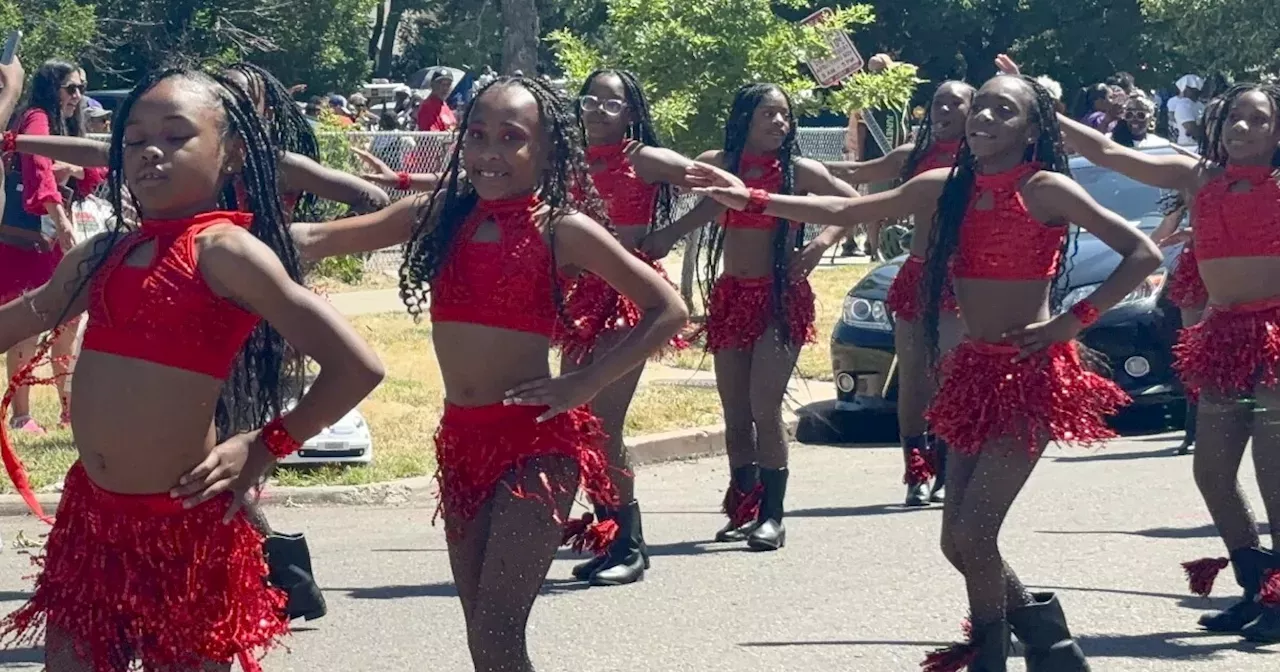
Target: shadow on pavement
1192 602
868 510
1162 646
846 642
1202 532
15 595
1109 456
28 654
700 547
444 589
410 550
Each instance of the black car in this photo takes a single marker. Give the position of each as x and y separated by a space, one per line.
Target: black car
1136 336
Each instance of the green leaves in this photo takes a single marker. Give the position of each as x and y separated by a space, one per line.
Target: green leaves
1235 37
51 29
889 89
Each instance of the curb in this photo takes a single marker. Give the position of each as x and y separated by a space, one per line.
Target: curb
684 444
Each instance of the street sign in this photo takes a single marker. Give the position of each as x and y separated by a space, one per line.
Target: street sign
844 59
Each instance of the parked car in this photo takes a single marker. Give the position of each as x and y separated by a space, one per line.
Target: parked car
346 441
1136 336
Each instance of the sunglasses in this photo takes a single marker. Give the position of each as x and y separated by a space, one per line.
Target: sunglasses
1137 115
73 88
610 106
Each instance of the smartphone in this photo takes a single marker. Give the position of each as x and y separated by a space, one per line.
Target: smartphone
10 47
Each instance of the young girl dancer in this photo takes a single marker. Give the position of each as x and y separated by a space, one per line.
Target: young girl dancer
1000 229
924 457
150 557
29 254
493 251
760 311
1230 359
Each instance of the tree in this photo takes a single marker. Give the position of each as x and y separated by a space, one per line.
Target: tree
1234 37
693 56
520 37
322 43
51 29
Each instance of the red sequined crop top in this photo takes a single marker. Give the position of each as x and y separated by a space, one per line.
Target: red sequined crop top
630 199
939 155
503 283
769 179
1243 223
1005 242
165 313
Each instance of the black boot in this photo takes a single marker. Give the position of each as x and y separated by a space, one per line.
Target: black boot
939 448
986 651
1046 639
770 534
915 451
1189 437
742 496
583 570
1249 565
289 569
1264 629
627 558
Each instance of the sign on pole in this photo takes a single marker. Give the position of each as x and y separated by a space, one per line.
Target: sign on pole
844 59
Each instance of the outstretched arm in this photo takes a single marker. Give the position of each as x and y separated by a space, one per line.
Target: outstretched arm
883 169
659 165
1167 171
381 174
366 233
302 174
66 148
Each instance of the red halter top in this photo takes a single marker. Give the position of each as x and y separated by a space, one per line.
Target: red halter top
1242 223
939 155
769 179
166 313
1005 242
630 199
504 283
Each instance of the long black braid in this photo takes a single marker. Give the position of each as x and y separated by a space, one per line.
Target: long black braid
1213 149
642 130
953 204
565 187
736 129
924 141
267 372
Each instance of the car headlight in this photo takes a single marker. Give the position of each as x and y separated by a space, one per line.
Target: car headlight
1147 291
866 314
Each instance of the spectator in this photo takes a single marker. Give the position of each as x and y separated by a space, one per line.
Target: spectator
97 118
1125 81
391 145
365 119
1100 106
1138 121
1185 111
314 105
403 106
434 114
341 111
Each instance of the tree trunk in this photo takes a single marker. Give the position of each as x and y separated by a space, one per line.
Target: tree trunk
387 51
520 37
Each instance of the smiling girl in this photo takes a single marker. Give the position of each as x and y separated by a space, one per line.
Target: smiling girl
150 557
1000 229
493 251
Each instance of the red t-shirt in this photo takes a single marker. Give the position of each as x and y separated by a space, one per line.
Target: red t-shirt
434 115
39 186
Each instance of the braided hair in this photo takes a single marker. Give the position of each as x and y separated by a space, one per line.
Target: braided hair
565 186
642 130
953 204
736 129
1212 148
267 371
924 141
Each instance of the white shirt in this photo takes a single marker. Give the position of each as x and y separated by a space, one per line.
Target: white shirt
1183 111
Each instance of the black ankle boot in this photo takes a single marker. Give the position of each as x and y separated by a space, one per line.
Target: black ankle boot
770 534
289 569
919 470
1046 639
986 651
1249 565
627 558
1265 629
741 503
939 450
583 570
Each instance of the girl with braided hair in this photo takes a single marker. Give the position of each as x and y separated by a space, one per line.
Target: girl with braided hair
1230 359
924 456
760 309
494 250
1000 230
150 557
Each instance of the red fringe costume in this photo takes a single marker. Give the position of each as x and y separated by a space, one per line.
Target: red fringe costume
1232 350
478 446
138 577
986 394
1186 287
741 310
906 296
595 308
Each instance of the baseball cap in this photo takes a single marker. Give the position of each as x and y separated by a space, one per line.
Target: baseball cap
1191 81
94 110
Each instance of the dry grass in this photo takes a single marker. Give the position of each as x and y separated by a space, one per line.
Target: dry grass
830 285
402 414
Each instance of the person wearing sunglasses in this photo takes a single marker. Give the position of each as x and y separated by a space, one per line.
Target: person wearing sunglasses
1136 120
36 227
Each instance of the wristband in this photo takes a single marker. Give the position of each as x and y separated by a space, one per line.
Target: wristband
8 143
404 182
278 441
757 201
1085 312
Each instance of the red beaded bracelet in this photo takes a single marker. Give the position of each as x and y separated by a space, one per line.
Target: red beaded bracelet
1085 312
404 182
757 201
278 440
8 142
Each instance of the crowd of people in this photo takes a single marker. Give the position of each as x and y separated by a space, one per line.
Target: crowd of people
545 230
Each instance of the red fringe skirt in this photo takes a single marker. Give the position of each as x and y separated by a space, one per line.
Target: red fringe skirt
741 311
23 269
1186 287
594 307
987 394
906 294
137 577
477 446
1232 350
